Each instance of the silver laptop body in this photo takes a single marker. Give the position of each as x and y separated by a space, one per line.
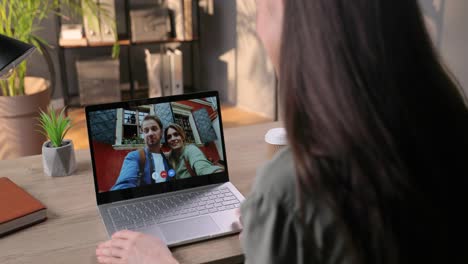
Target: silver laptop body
178 215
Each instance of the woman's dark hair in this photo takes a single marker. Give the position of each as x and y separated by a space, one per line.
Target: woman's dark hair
377 127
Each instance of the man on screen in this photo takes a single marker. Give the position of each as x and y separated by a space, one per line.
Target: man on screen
148 165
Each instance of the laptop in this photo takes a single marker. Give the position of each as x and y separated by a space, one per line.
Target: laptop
179 192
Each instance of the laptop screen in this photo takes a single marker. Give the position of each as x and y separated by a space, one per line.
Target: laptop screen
158 145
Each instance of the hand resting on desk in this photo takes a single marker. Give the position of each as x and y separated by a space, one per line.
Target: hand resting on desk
128 247
239 222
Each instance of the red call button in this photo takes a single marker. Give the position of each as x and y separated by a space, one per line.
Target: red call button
163 174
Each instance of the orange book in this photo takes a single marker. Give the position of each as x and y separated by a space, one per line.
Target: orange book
18 209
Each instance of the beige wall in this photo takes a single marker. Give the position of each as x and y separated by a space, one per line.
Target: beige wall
232 59
447 21
255 74
235 63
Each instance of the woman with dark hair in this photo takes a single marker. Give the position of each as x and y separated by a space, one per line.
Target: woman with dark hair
376 171
187 159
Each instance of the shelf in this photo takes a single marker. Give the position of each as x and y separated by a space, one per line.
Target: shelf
81 43
140 93
171 40
131 57
123 42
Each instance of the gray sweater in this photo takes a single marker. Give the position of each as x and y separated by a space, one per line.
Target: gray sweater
274 230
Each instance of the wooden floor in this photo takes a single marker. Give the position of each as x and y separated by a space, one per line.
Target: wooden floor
232 117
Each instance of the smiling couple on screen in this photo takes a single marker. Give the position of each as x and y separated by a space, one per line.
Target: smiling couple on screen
183 161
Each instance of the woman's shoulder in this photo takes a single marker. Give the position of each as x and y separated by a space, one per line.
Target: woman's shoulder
313 219
191 150
191 147
276 181
277 178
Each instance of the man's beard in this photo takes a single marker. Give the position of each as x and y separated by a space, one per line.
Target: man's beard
152 142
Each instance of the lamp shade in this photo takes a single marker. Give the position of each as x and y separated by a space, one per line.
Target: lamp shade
12 52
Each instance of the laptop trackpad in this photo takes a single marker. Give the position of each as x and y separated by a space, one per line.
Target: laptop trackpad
197 227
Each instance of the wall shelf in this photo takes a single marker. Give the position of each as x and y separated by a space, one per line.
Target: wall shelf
68 44
131 59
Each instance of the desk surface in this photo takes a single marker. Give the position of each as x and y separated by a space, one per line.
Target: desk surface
74 227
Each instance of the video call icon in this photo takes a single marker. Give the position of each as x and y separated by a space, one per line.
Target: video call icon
171 173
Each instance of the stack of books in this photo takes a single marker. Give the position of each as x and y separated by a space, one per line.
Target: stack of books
72 35
184 15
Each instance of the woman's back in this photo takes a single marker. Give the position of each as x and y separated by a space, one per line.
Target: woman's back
278 228
284 224
363 88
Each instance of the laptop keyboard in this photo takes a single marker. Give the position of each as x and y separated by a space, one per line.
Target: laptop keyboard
170 208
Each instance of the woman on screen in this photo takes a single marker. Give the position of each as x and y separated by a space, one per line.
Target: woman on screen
187 159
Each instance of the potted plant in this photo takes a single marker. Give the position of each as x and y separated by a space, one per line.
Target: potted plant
58 154
21 97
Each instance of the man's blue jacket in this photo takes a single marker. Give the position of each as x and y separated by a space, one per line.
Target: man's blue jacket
128 177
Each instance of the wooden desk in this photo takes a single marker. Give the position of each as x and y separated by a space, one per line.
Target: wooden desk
74 227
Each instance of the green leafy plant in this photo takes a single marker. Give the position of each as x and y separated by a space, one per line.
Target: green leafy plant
54 125
19 19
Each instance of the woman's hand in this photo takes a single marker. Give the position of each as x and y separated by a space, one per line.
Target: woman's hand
134 248
239 222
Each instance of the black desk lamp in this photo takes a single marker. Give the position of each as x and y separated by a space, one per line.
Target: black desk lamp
12 53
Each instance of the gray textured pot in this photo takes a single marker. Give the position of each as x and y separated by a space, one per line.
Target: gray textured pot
59 161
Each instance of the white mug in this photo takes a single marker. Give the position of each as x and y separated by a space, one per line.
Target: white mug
276 139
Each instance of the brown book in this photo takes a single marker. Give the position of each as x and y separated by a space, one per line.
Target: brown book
18 209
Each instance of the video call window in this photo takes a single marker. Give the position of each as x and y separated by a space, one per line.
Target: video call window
192 148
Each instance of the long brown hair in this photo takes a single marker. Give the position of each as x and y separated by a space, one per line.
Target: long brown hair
172 160
377 126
